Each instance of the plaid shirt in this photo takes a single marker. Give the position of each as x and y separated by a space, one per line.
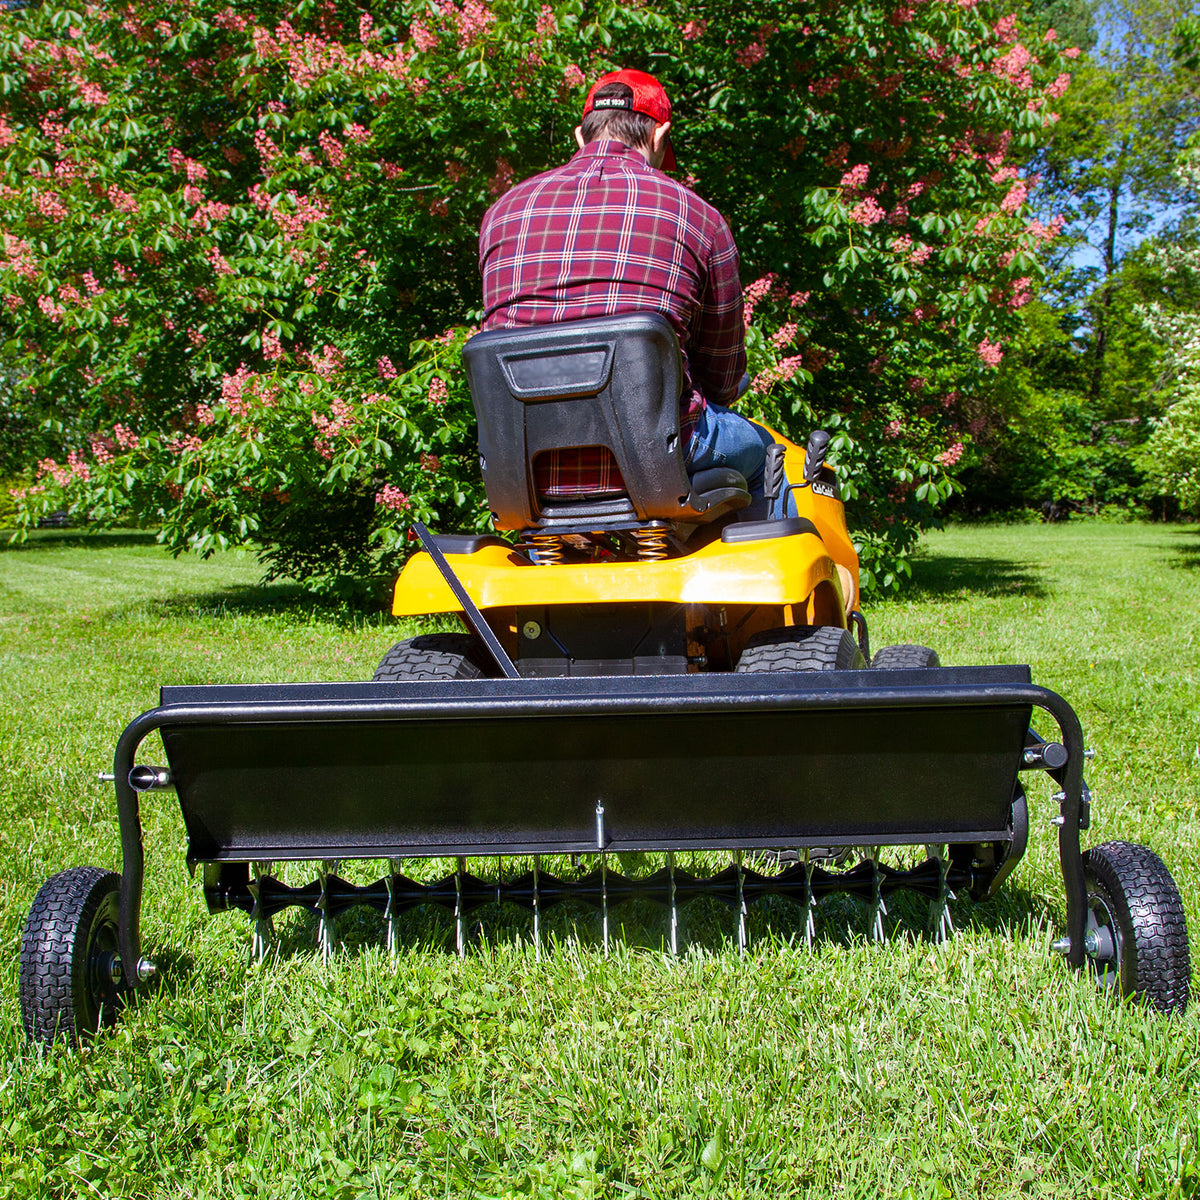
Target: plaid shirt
607 234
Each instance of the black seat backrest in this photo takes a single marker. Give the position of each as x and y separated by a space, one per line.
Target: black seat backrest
609 382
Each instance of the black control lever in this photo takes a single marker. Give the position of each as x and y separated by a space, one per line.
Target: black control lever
814 456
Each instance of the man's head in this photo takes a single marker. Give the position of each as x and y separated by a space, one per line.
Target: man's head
633 108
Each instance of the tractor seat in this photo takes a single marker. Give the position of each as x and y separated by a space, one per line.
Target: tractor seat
579 428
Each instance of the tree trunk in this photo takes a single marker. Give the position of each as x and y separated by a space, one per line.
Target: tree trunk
1109 255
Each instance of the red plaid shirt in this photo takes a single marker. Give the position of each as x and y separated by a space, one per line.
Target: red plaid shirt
607 234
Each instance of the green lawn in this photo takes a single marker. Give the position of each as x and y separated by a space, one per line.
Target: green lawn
979 1069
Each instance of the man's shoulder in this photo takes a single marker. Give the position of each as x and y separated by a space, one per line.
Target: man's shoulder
524 192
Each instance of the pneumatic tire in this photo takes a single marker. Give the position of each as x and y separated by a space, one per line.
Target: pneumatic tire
68 952
801 648
906 657
433 656
1137 931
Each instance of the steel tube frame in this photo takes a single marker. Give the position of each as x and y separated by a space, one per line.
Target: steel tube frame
509 696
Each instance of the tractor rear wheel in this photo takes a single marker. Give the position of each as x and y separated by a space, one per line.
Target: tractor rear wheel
906 657
801 648
433 656
1137 937
69 956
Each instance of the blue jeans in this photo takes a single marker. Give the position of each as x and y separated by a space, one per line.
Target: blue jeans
723 438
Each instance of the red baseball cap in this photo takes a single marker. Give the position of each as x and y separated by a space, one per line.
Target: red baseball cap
648 98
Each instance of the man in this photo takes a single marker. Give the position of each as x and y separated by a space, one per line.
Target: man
609 233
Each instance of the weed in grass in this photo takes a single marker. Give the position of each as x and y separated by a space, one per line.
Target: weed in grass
977 1069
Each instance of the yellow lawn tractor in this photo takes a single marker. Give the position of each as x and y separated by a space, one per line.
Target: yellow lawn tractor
655 662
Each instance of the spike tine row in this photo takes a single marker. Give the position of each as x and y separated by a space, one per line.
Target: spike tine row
257 892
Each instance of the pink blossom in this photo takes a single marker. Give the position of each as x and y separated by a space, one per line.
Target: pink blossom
749 55
392 497
366 26
90 282
694 30
7 137
196 338
1021 292
49 205
335 152
422 35
921 254
1051 35
547 23
784 335
236 390
867 212
573 77
126 438
891 430
12 303
430 464
1060 85
474 20
93 94
1006 27
799 299
69 293
438 392
901 15
950 455
856 177
385 368
192 195
102 449
1016 197
990 353
358 134
1072 52
391 170
205 415
231 21
50 308
781 372
218 261
837 156
272 350
329 363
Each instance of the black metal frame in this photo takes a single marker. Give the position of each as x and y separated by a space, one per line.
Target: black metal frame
708 702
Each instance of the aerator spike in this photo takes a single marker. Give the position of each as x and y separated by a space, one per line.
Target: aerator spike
460 940
389 913
877 901
941 923
810 921
671 899
604 898
741 901
537 909
326 923
261 928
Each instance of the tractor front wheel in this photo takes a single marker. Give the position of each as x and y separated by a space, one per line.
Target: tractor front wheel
1137 938
69 963
433 656
906 657
801 648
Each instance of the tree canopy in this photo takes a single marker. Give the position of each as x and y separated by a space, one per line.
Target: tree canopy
239 241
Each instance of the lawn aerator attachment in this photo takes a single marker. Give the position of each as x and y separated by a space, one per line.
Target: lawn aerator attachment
660 663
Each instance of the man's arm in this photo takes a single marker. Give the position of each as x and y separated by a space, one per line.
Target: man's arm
717 345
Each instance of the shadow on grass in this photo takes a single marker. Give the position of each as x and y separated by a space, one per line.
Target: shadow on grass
76 539
936 577
1187 555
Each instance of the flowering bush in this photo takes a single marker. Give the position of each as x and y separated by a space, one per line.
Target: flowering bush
239 251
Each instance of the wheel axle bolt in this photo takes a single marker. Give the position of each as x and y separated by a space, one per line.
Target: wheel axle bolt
1061 946
1092 942
1060 820
146 969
